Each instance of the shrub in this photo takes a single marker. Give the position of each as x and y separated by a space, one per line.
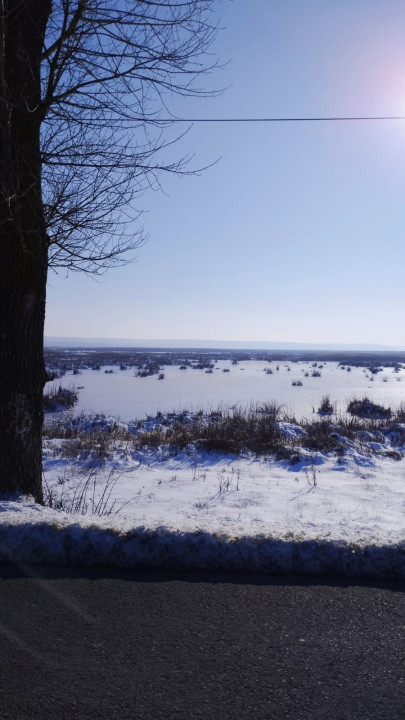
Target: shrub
321 436
59 399
270 408
400 413
365 408
326 407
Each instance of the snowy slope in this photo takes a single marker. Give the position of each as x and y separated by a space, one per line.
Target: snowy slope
321 515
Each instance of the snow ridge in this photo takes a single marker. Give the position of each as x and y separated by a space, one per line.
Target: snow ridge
46 536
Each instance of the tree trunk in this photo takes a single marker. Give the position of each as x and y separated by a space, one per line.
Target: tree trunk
23 247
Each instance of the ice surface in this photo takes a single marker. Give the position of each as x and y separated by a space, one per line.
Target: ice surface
128 397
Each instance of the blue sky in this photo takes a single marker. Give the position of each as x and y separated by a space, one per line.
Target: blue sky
297 233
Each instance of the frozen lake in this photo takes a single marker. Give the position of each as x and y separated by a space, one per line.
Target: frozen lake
128 397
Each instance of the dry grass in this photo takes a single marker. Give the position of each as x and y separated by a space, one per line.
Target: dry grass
257 429
89 494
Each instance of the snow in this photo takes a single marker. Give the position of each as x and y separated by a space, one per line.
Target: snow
324 515
197 510
357 500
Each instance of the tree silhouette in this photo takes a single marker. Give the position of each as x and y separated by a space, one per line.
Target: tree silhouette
82 83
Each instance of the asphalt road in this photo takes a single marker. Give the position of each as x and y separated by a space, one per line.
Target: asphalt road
99 644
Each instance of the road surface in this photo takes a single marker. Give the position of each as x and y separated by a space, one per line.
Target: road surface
105 644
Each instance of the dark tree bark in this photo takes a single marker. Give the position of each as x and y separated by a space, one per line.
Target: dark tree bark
23 247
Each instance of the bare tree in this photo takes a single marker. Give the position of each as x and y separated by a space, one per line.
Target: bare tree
82 83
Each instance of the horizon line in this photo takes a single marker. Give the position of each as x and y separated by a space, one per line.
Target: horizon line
215 344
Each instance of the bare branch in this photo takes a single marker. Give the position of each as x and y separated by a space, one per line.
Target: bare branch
108 67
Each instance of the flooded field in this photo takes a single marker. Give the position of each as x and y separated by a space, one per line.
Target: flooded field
129 392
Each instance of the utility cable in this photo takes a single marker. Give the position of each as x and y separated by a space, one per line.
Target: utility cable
275 119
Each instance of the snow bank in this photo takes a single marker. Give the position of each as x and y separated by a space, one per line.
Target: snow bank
316 512
31 534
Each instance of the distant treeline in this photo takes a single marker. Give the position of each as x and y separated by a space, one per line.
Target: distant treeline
148 361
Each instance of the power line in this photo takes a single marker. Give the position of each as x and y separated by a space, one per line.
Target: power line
276 119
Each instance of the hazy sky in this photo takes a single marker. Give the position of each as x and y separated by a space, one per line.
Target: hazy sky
298 232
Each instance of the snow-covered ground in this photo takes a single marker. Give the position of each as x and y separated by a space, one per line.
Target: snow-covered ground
324 514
